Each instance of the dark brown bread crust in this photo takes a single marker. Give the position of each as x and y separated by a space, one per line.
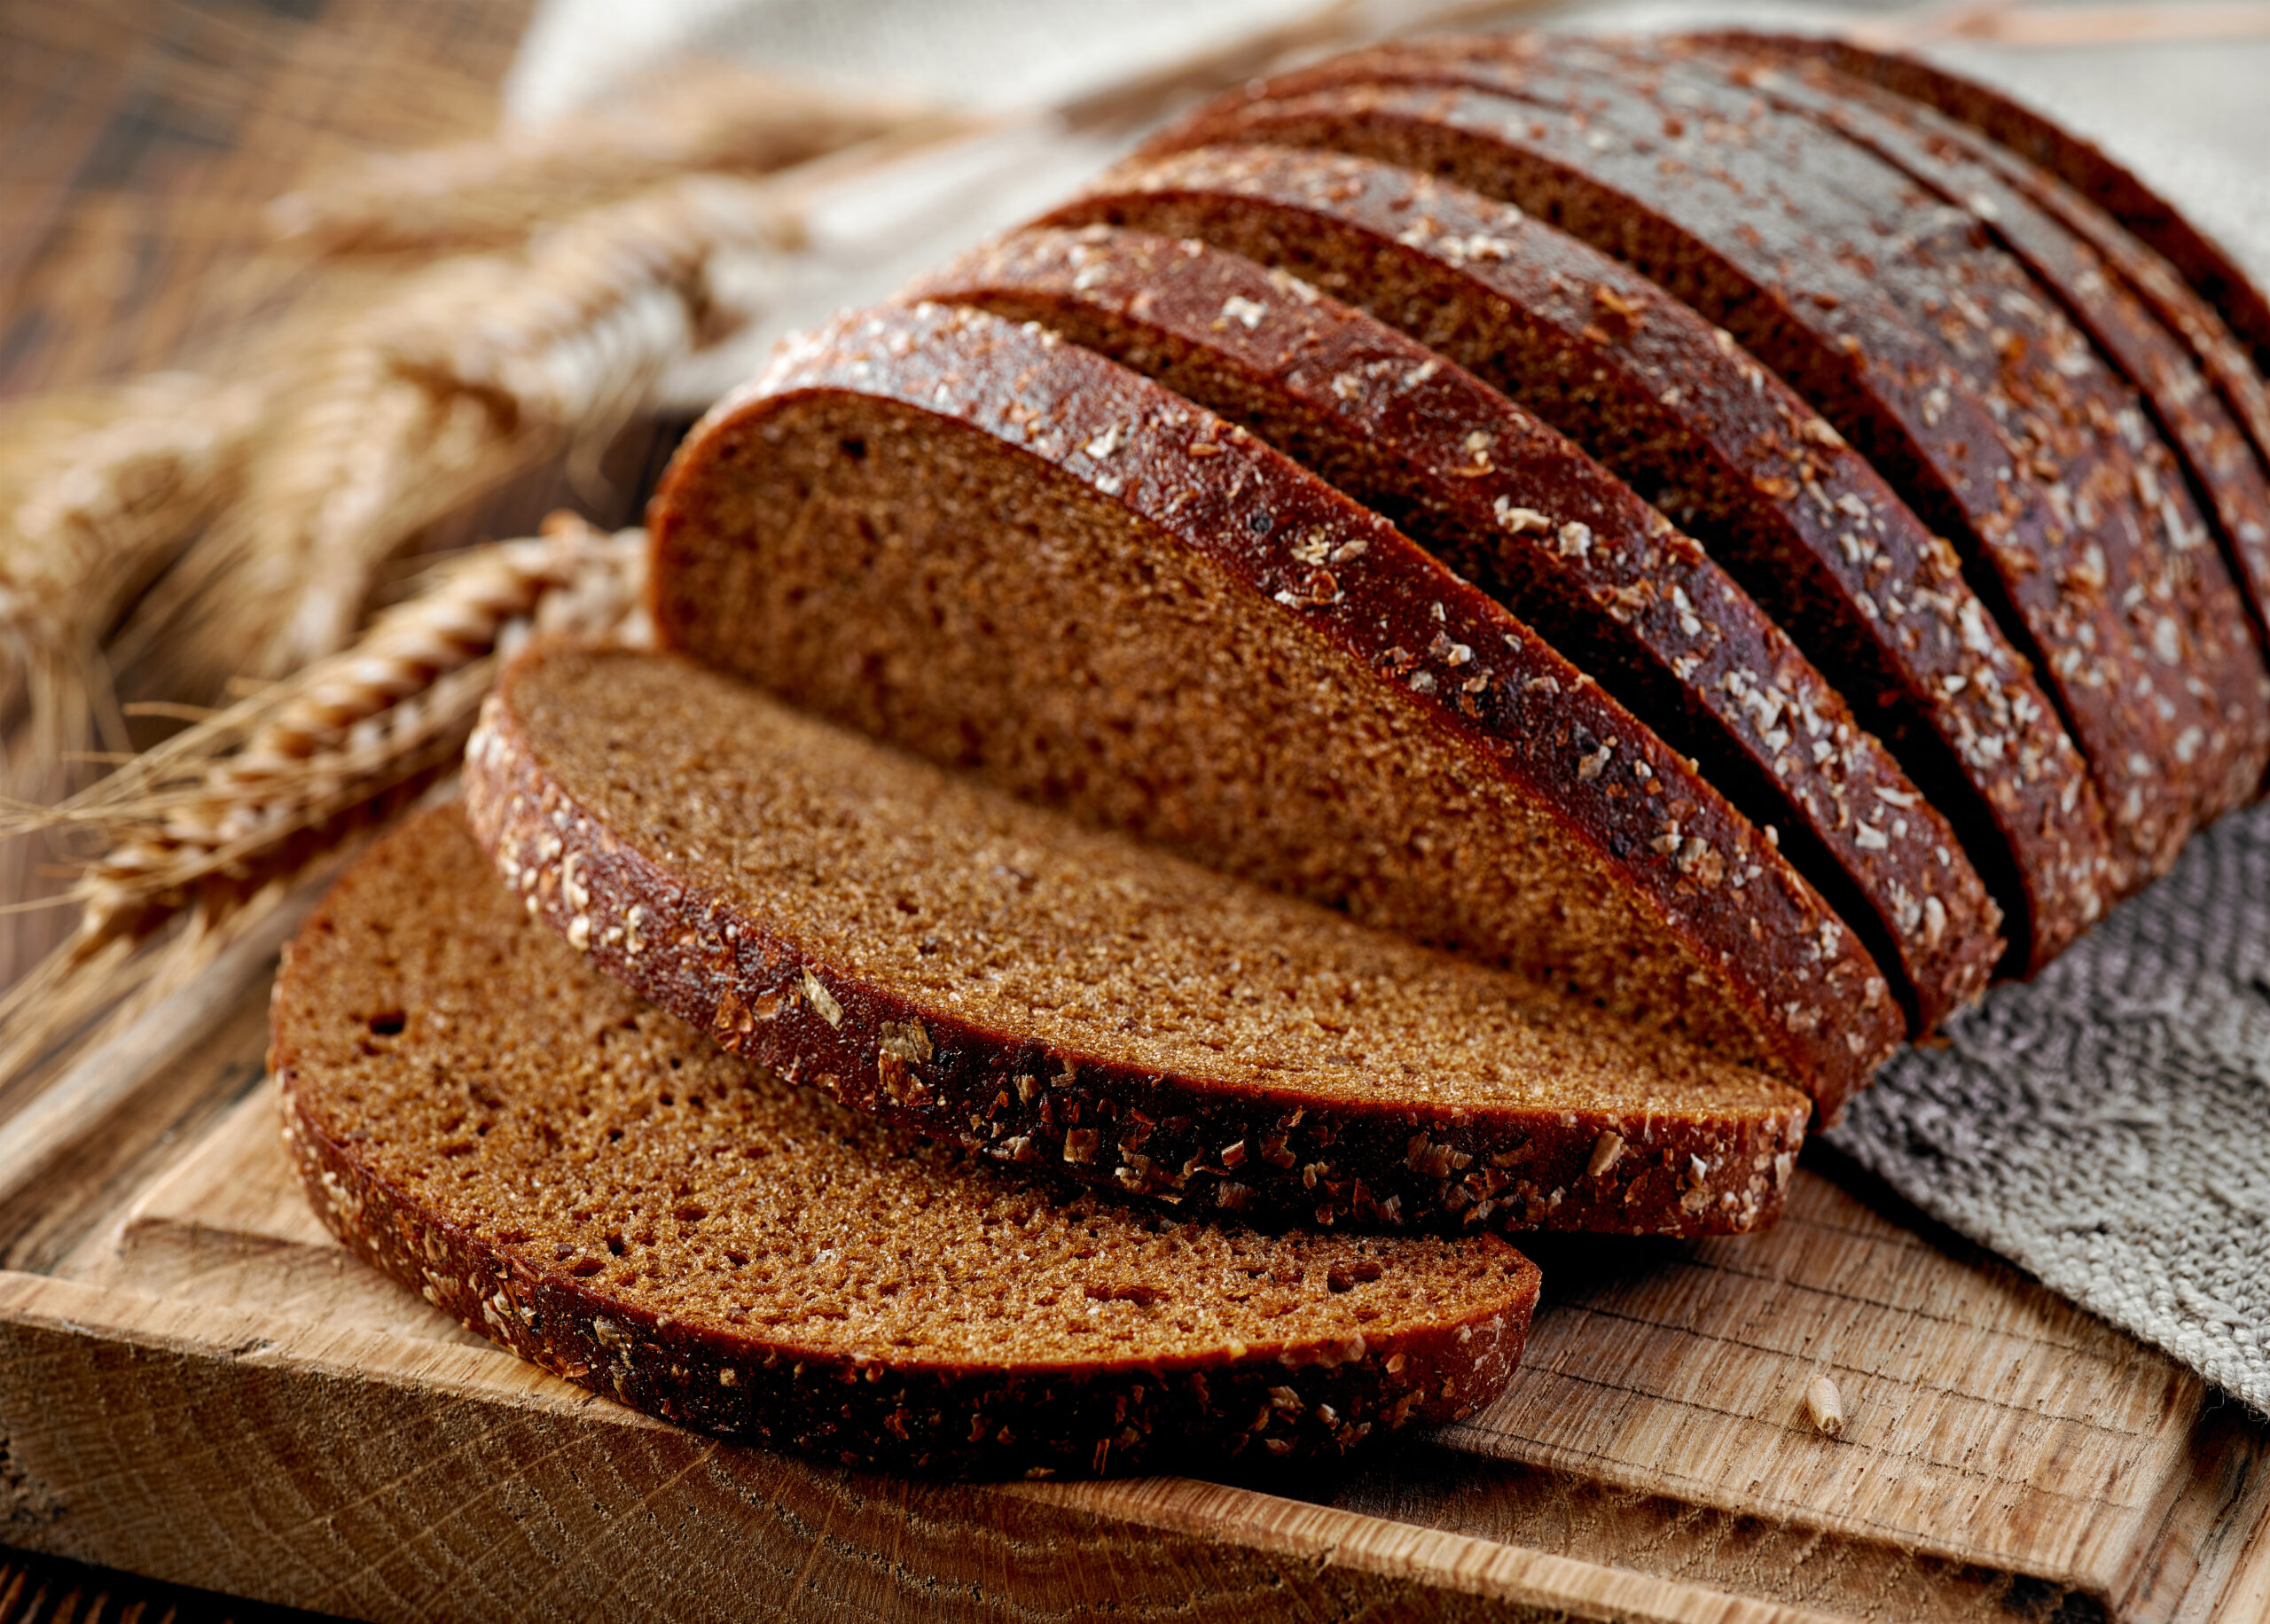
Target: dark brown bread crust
1851 70
1198 1143
875 1410
1467 671
2013 448
2178 304
1672 404
2105 293
2082 165
1514 508
2109 358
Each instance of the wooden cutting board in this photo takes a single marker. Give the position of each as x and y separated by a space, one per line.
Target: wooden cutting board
197 1384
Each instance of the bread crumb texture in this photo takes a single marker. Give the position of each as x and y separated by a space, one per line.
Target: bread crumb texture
1000 973
1004 553
586 1179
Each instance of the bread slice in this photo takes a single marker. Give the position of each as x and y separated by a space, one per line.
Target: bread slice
1007 553
934 951
1676 408
587 1180
2093 174
2087 545
1988 192
1513 507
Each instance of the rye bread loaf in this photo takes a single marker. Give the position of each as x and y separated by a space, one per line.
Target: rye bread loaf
931 951
2091 551
1673 406
2093 174
1009 554
1845 71
1988 190
1513 507
589 1181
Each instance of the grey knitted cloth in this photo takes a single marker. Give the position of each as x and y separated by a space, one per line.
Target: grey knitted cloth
2107 1125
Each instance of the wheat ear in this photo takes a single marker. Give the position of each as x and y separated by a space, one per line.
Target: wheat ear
216 823
98 495
473 371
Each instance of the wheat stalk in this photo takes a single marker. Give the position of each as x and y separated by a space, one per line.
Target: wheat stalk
473 371
208 829
97 494
689 118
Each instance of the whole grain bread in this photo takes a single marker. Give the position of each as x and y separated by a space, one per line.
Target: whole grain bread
1676 408
2223 353
589 1181
1513 507
2088 550
931 951
1009 554
2092 172
1989 191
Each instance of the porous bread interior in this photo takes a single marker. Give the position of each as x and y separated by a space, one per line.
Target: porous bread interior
963 900
1390 480
481 1068
922 581
1617 427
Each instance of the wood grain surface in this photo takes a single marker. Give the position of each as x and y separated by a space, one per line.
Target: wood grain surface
195 1382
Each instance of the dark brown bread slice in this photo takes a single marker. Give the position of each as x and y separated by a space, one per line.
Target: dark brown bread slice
1513 507
1010 554
2106 183
935 952
1007 553
1854 71
587 1180
2104 293
1675 408
2013 448
2052 324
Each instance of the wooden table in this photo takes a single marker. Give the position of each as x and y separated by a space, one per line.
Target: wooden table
196 1383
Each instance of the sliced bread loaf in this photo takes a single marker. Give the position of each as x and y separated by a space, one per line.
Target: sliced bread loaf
1508 503
1007 553
2063 177
587 1180
2091 554
1674 407
2069 350
934 951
